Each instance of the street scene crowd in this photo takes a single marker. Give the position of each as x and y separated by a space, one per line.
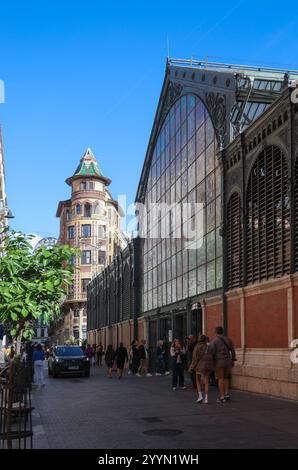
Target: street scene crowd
207 362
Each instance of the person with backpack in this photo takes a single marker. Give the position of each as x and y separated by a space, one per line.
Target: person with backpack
202 364
224 357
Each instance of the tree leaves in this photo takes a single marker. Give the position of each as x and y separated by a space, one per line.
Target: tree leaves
31 283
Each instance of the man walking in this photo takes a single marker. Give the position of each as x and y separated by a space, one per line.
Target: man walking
121 356
224 356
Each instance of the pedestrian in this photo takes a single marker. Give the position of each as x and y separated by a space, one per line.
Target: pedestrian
99 354
178 358
160 358
24 354
37 360
109 359
89 352
93 357
135 357
192 341
11 353
224 356
121 356
202 364
144 359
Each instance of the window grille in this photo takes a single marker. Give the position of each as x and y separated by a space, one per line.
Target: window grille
126 293
268 217
234 242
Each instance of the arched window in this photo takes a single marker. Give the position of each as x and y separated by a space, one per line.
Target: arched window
234 242
268 217
87 210
78 209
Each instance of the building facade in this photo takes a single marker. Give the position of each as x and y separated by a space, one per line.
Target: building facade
218 213
114 296
89 221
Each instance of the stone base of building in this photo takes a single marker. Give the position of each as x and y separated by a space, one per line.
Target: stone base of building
118 333
266 371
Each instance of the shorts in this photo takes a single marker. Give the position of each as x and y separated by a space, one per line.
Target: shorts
223 372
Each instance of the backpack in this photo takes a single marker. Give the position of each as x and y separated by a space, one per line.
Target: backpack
232 353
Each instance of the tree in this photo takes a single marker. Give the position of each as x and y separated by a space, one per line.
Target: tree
32 283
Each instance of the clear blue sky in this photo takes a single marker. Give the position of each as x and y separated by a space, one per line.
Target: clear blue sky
89 73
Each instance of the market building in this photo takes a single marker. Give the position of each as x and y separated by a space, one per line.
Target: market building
218 216
90 221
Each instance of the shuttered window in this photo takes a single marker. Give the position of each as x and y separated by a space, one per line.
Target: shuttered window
268 217
234 242
126 293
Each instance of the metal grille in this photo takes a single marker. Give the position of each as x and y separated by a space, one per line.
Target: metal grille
296 211
126 293
268 217
112 301
234 240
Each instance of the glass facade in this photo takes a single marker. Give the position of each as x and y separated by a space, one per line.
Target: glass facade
182 247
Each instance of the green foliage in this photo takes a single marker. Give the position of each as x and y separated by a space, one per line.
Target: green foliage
32 283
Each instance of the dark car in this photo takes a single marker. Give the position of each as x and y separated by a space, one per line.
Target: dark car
68 360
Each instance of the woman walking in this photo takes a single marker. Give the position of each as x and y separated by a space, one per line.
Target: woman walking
37 360
178 357
99 354
109 358
203 365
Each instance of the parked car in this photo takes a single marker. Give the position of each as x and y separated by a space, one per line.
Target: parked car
68 360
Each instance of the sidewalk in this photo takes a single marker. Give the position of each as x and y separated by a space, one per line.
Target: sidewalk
144 412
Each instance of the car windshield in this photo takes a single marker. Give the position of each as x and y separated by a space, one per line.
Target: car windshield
69 351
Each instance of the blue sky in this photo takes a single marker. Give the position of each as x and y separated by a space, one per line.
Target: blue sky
88 74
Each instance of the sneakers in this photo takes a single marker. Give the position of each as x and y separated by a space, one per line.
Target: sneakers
174 388
167 373
138 375
148 375
221 400
183 388
157 374
227 397
200 400
205 401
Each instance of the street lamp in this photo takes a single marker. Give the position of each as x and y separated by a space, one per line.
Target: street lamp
5 212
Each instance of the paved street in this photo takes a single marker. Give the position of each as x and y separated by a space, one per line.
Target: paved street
108 413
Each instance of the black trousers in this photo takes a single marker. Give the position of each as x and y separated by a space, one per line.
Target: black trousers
178 375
